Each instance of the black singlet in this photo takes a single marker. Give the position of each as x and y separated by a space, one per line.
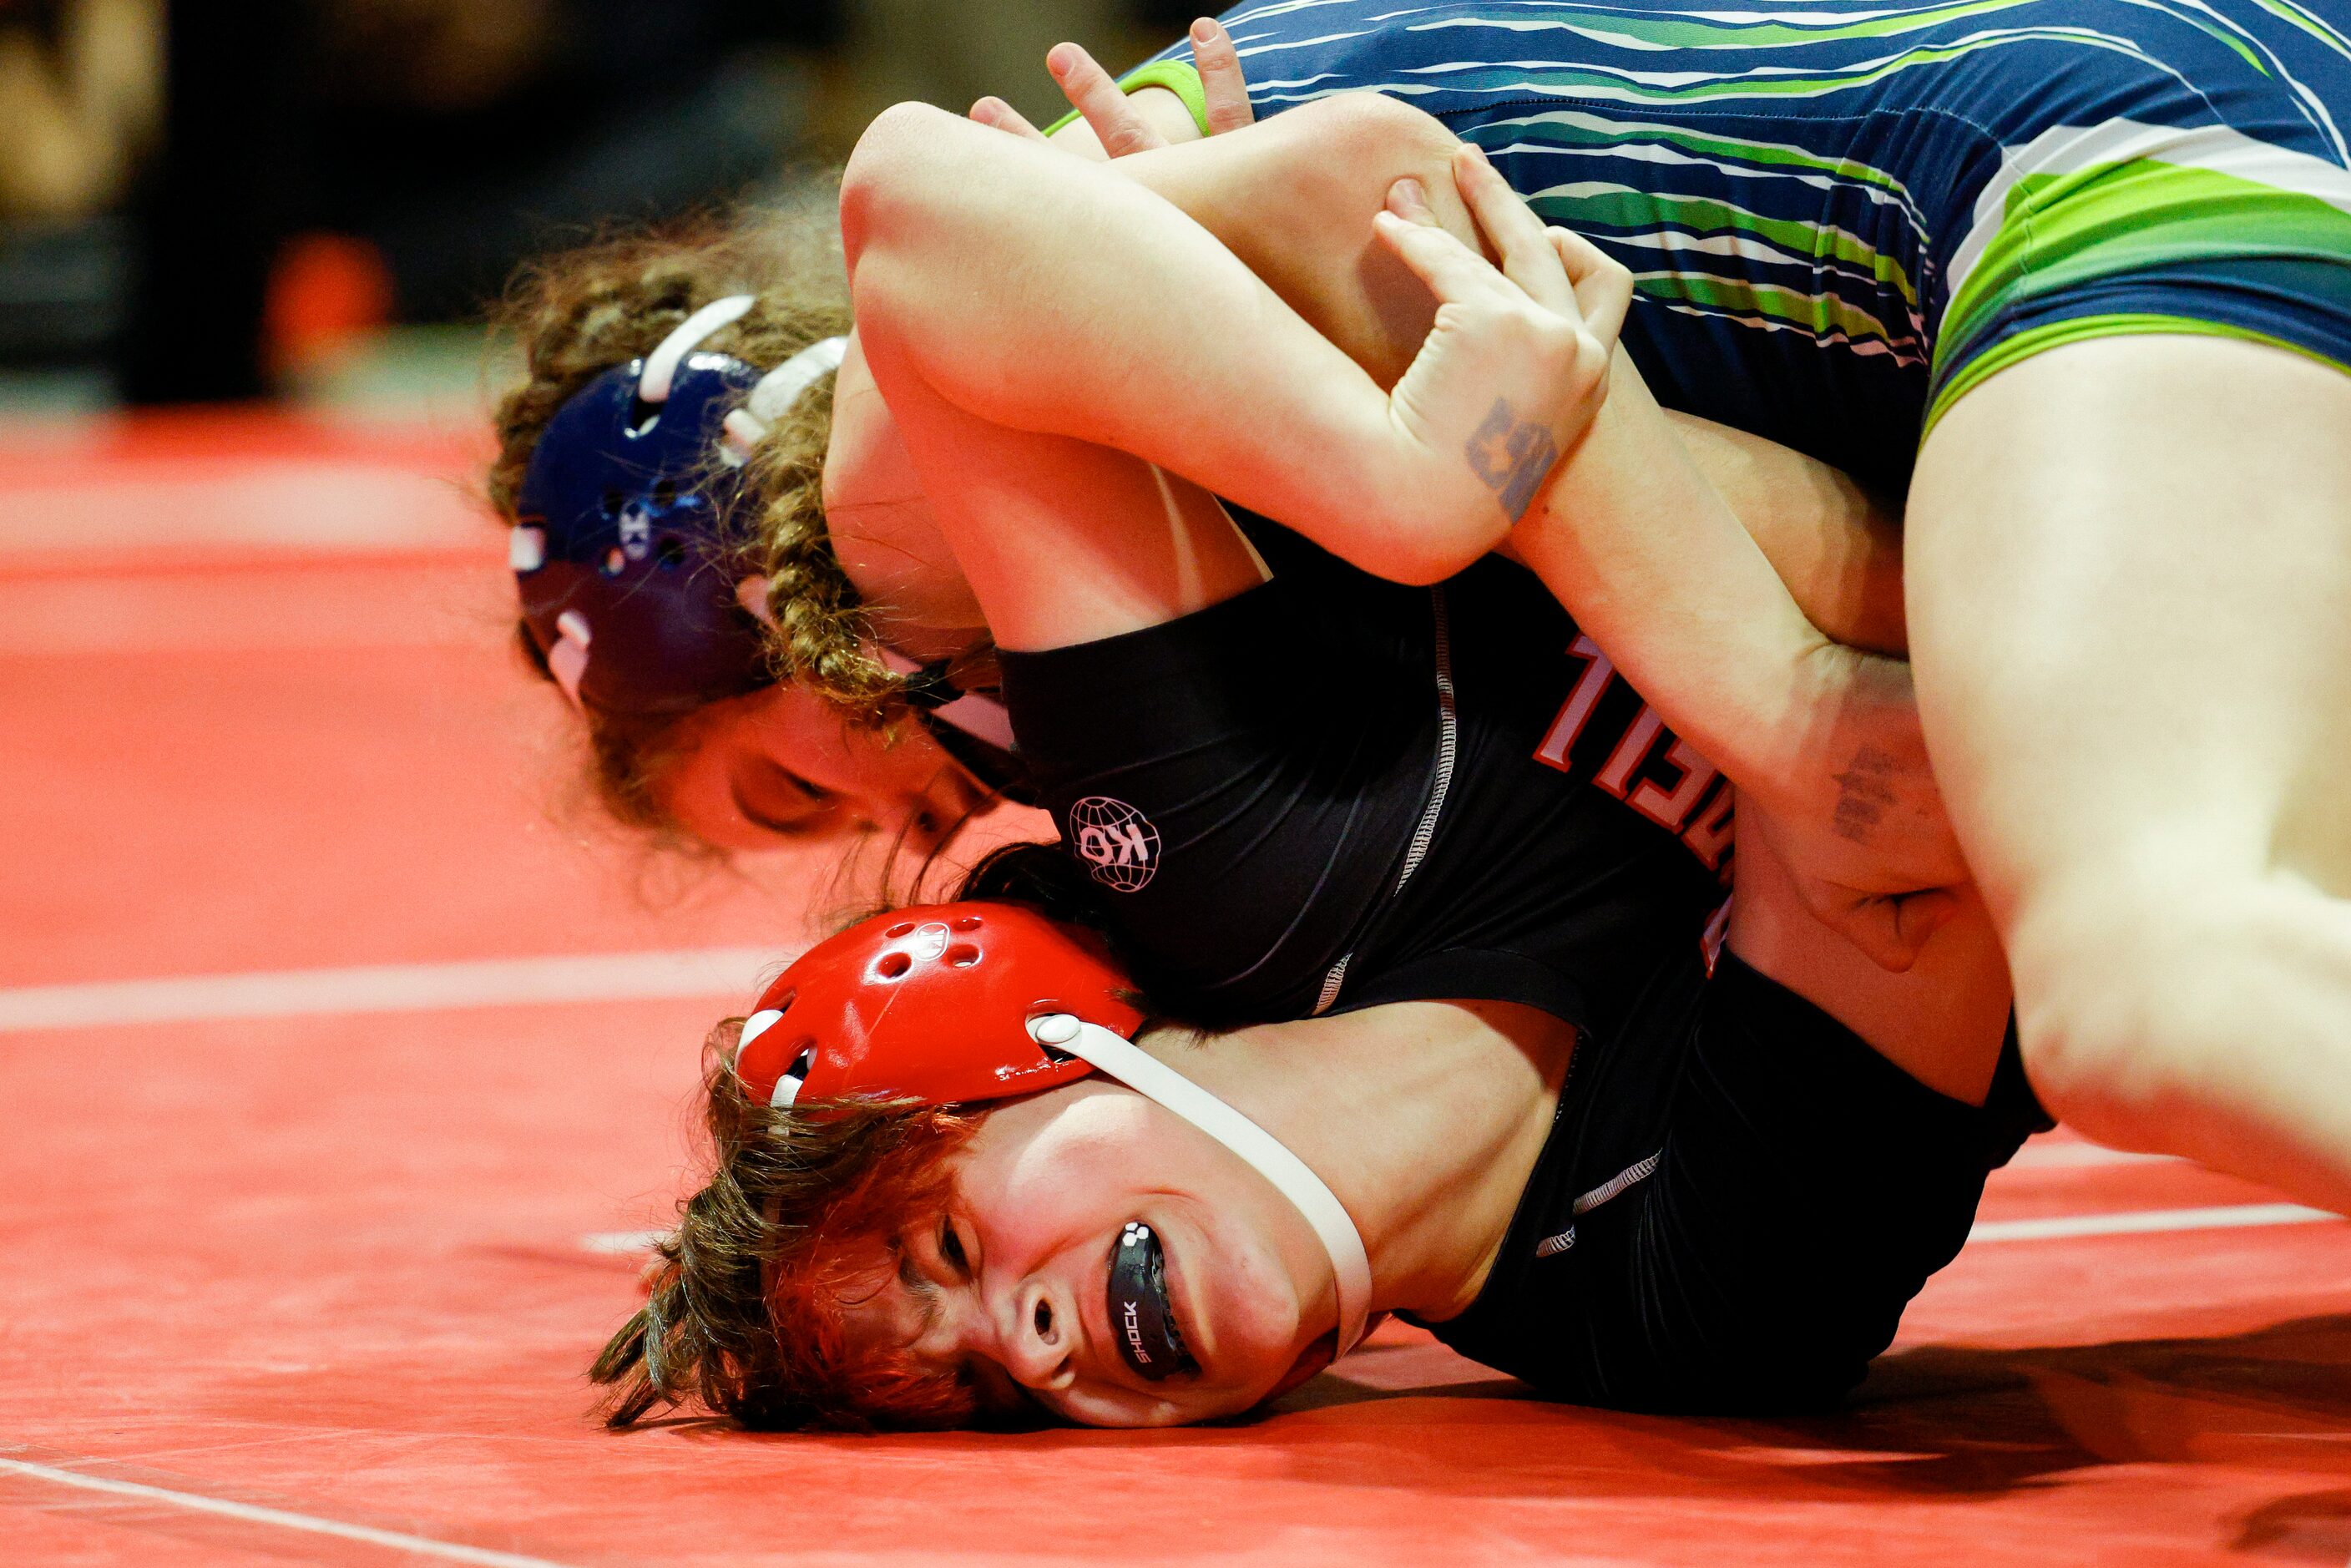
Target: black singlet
1332 792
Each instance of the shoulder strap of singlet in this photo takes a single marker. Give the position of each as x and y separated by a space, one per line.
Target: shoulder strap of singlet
1181 77
973 727
930 691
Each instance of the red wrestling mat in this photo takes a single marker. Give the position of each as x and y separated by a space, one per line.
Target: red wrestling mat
304 1266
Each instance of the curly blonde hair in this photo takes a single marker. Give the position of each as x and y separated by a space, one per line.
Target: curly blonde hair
577 314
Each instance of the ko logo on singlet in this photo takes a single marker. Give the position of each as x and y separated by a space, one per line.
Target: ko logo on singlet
1117 842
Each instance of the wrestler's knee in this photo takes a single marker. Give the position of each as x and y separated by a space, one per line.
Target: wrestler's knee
2127 998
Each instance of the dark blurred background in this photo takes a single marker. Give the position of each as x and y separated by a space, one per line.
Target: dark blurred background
208 201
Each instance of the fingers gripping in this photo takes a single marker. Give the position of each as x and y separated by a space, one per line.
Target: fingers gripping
1457 275
1454 273
1221 81
1529 257
1562 271
1890 929
997 113
1094 94
1501 379
1603 287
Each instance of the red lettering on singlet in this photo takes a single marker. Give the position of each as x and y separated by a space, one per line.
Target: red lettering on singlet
1576 712
1669 808
1709 837
1616 773
1671 787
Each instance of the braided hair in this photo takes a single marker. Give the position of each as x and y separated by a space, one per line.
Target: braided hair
577 314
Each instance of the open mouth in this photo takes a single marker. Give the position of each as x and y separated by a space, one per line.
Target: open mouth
1141 1320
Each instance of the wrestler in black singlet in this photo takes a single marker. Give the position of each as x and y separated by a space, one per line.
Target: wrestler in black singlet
1331 791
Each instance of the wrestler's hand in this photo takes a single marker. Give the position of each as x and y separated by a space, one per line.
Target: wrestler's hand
1096 94
1890 929
1889 926
1872 856
1514 368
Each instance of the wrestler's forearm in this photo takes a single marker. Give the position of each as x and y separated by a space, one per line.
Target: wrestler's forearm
1651 561
1839 551
1047 294
1289 199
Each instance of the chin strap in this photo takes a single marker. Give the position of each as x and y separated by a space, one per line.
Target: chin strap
1153 1080
661 365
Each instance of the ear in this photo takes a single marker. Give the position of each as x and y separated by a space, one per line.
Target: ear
751 593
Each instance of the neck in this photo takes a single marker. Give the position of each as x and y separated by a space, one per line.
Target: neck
1425 1118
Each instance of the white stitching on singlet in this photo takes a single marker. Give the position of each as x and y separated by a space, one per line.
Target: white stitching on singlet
1448 741
1331 984
1631 1175
1448 737
1637 1172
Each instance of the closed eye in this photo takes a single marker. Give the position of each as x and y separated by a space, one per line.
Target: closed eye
805 807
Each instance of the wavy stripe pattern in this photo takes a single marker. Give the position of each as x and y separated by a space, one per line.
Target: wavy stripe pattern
1827 205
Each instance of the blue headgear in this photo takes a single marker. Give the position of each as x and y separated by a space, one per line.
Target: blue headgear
620 540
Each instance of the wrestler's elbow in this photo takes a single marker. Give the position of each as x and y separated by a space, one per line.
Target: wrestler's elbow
1426 547
895 177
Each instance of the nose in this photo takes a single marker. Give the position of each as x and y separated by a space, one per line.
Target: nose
927 813
1037 1338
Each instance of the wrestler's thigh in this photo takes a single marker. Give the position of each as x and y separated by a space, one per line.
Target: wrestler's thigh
2129 594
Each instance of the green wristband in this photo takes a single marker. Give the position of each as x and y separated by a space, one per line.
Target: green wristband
1178 77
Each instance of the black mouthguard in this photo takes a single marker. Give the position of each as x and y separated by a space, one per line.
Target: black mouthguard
1140 1317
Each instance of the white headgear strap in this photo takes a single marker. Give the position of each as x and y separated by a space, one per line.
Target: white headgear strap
568 659
785 385
661 365
1154 1080
778 391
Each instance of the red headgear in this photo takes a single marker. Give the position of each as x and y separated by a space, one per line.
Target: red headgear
957 1003
931 1003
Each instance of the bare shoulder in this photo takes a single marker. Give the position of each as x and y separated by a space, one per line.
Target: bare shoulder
1464 1025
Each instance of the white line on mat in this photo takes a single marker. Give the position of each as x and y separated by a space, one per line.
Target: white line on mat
392 988
619 1243
2057 1226
420 1545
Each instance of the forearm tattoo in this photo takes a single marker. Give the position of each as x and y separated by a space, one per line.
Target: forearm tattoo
1513 456
1864 793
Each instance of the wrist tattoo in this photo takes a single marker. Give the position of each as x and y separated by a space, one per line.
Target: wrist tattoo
1864 793
1513 456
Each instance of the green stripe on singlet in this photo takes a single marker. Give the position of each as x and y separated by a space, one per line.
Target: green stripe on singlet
1695 31
1577 129
1708 246
2132 215
1594 207
1824 317
2082 328
2316 26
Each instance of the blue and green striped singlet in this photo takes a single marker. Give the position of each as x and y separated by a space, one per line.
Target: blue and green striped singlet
1842 215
